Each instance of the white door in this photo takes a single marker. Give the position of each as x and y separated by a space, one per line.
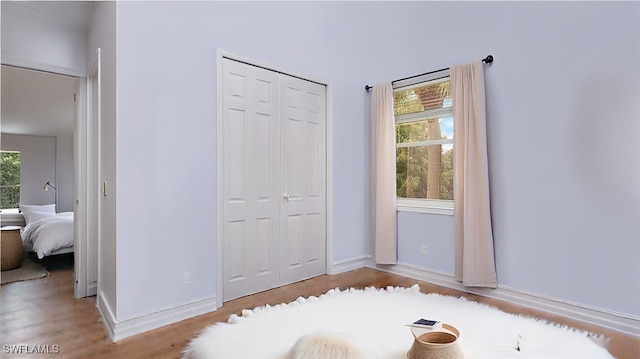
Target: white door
251 184
87 162
303 217
273 179
80 175
93 188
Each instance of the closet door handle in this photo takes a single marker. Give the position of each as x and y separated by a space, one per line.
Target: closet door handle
286 196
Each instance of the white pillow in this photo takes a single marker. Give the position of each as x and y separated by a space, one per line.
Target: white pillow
50 208
32 216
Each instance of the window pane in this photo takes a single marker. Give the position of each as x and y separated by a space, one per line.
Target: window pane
430 96
427 130
9 179
425 172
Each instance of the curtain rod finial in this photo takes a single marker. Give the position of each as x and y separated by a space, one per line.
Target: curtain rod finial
488 59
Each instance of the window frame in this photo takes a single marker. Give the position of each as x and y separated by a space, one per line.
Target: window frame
419 205
19 185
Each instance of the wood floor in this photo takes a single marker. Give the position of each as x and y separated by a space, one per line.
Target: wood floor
43 312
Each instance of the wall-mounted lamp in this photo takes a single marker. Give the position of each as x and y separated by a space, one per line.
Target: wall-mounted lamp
47 185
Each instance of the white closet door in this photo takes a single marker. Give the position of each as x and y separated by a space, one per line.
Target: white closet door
273 179
303 178
251 179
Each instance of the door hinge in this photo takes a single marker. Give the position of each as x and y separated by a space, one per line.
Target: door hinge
74 97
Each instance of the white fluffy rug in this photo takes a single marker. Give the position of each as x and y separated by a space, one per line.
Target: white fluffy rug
378 318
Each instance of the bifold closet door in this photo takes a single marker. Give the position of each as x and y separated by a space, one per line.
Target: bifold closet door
251 179
303 179
274 179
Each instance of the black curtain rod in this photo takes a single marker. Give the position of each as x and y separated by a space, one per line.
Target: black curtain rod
486 60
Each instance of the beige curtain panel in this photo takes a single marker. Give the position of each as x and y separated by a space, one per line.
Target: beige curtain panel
383 175
475 262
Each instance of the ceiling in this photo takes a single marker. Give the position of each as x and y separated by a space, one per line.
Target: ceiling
70 13
35 102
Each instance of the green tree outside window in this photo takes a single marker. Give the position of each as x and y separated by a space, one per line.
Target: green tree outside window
9 179
424 141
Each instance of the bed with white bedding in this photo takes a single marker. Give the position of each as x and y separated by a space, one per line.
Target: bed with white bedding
49 235
44 231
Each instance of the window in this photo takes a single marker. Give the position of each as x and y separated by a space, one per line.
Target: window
424 146
9 179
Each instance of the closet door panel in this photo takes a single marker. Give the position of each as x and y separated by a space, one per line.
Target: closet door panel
251 179
274 179
303 180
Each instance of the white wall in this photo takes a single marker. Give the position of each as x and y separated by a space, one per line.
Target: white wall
103 34
435 232
166 173
33 40
564 213
44 158
37 166
65 179
562 104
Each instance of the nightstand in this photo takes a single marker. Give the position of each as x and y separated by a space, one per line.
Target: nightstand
10 248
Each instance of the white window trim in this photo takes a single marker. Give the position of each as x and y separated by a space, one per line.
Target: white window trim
418 205
446 141
425 115
429 206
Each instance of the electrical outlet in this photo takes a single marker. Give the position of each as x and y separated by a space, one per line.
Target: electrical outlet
187 278
424 251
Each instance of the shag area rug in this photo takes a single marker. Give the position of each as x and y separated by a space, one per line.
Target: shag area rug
27 271
378 318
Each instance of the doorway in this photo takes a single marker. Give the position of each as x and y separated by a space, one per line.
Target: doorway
40 104
272 174
87 272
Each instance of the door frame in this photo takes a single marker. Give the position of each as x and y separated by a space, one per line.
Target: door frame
220 55
80 205
88 173
81 142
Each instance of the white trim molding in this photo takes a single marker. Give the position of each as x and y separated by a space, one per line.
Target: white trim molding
118 330
627 324
424 206
108 318
41 66
329 177
350 264
624 323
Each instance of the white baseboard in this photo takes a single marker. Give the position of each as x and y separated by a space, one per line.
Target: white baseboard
108 319
349 265
92 289
130 327
616 321
623 323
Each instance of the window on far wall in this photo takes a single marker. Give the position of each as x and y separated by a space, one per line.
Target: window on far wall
9 179
424 146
